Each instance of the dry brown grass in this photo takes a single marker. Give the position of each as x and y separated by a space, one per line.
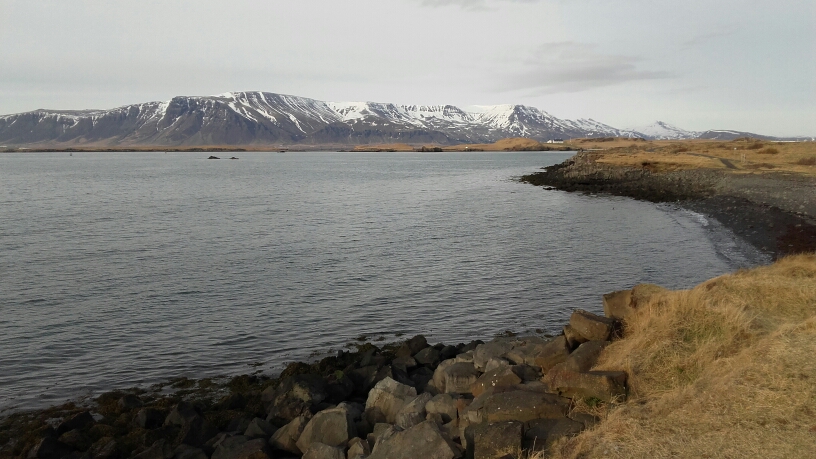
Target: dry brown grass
725 370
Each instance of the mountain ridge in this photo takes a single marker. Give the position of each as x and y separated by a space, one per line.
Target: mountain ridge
265 118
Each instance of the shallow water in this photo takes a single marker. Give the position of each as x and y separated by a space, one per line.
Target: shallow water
121 269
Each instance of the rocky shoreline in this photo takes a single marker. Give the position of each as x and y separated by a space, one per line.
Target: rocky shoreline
509 397
775 212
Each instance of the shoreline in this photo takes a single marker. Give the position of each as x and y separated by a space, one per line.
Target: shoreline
774 212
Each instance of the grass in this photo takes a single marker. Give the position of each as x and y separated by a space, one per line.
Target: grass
725 370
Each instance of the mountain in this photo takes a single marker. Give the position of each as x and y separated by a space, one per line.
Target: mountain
660 130
262 118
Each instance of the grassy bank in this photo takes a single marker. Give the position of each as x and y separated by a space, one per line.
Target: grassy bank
726 369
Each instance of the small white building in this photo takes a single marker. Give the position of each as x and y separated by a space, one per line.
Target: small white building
555 141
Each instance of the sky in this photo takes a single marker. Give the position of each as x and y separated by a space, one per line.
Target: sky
746 65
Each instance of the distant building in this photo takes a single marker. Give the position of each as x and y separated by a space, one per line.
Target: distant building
555 141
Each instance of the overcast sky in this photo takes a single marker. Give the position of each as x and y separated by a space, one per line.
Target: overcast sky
716 64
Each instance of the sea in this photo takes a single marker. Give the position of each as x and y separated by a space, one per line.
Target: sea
123 270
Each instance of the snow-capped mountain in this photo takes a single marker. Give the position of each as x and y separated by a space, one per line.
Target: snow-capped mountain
660 130
262 118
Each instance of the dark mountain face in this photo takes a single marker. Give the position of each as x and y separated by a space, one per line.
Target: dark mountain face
260 118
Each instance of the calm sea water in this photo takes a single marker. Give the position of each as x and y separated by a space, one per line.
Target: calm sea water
125 269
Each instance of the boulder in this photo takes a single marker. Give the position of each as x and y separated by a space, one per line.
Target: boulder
574 339
333 427
180 414
319 450
458 377
149 418
421 377
196 432
617 305
448 352
500 377
159 450
294 396
540 434
494 363
438 380
585 357
603 385
527 373
259 428
129 402
444 405
77 421
188 452
423 440
464 357
525 351
553 353
379 430
591 326
428 357
517 405
388 397
77 439
497 440
642 293
49 448
413 412
285 438
240 447
104 448
405 363
232 402
358 449
492 349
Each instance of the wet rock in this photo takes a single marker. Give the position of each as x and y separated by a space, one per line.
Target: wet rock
444 405
591 326
333 427
129 402
500 377
232 402
603 385
459 377
405 363
196 432
295 396
413 412
617 305
259 428
428 357
585 357
553 353
49 448
78 421
239 447
424 441
319 450
180 414
149 418
158 450
388 397
76 439
421 377
285 438
497 440
416 344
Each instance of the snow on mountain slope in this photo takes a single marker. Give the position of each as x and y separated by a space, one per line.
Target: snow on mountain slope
660 130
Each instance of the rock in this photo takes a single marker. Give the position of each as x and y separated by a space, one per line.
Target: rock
378 432
213 157
603 385
49 448
525 351
232 402
497 440
516 405
459 377
428 357
180 414
438 380
77 421
444 405
585 357
239 447
527 373
495 363
259 428
405 363
159 450
285 438
319 450
421 377
333 427
617 305
388 397
464 357
129 402
574 339
424 441
448 352
493 349
642 293
540 434
500 377
76 439
188 452
413 412
591 326
416 344
553 353
239 424
196 432
294 396
149 418
104 448
358 449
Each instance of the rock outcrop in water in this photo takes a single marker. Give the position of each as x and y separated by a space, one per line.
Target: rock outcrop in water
480 400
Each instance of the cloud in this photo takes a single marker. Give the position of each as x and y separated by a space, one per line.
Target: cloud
706 38
574 67
471 4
